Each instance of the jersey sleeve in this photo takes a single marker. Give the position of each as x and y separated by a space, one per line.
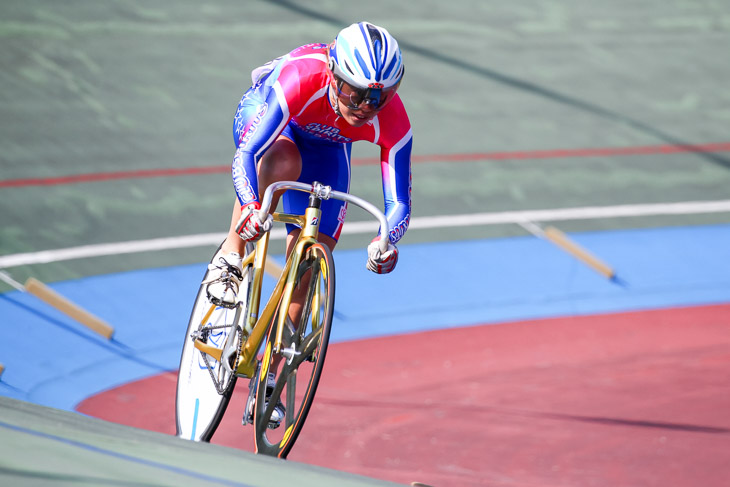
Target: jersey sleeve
282 96
395 165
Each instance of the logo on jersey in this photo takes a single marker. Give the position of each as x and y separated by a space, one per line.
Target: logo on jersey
326 132
263 108
400 229
343 214
240 179
340 221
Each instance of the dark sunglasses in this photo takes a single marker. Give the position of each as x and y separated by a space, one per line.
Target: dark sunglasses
374 96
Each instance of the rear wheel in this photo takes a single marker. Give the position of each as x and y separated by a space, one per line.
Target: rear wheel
204 384
298 366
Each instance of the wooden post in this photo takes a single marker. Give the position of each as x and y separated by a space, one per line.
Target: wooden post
560 239
45 293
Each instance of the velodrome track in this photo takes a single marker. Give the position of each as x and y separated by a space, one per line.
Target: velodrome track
491 357
456 405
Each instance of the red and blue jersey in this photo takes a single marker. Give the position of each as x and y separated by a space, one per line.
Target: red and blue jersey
291 94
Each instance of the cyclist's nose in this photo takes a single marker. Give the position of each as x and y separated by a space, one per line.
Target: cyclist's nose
367 107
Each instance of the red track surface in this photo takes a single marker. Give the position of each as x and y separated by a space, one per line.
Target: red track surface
633 399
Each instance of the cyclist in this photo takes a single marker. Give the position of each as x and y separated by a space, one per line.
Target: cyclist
297 122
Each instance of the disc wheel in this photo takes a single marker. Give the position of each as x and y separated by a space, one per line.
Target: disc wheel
204 385
298 366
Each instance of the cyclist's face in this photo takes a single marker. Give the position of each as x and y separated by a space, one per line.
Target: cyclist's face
359 106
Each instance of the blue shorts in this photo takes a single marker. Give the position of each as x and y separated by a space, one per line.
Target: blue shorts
328 163
323 161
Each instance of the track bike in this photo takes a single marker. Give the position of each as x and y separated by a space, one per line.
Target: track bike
280 349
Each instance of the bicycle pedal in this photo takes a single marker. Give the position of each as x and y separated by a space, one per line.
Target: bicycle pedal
273 423
201 335
248 416
221 303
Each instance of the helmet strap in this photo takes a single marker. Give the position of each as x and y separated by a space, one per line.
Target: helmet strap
336 105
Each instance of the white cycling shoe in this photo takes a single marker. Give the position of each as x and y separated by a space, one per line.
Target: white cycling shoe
224 277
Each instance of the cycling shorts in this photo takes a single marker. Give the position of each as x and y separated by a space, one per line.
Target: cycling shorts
323 161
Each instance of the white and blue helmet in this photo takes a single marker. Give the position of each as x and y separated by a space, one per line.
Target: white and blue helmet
366 56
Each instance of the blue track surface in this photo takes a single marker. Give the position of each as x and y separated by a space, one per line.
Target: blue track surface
53 361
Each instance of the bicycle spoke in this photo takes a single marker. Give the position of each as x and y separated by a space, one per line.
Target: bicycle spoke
310 344
291 391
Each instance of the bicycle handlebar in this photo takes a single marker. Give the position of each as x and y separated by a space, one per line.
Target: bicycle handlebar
326 192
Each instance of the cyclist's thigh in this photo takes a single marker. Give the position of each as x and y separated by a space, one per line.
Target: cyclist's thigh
329 164
281 162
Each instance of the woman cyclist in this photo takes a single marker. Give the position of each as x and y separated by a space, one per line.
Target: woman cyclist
298 121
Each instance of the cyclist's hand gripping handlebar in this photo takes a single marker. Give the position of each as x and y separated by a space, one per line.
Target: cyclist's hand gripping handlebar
381 262
251 226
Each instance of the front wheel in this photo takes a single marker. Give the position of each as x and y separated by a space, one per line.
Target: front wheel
205 385
296 369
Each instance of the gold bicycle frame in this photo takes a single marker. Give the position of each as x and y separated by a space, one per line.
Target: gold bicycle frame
255 324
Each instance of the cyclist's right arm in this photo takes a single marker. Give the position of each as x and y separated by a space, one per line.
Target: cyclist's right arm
285 92
271 117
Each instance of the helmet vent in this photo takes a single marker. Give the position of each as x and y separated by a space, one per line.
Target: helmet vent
374 34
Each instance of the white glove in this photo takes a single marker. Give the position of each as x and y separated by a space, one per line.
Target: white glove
381 263
250 227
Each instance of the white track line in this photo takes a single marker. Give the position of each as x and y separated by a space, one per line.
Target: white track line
470 220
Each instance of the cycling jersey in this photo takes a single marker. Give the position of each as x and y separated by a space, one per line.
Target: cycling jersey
290 96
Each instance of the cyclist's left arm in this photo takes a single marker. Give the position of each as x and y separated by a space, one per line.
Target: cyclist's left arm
395 164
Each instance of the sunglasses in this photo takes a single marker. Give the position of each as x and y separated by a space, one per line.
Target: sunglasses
354 98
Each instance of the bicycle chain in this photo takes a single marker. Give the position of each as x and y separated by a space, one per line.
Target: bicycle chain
221 389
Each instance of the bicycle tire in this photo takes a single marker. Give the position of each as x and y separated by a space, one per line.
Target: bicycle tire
204 386
310 337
